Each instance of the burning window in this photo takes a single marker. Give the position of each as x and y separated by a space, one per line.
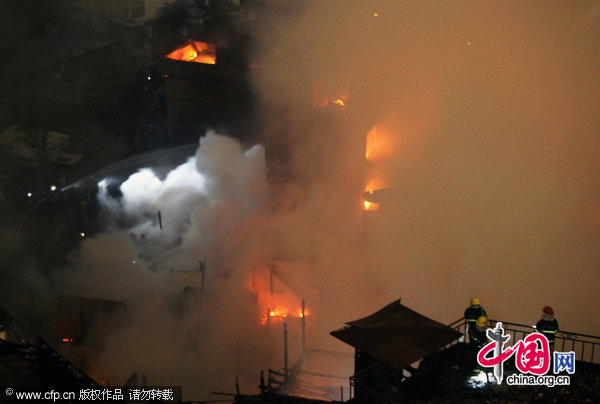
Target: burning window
197 52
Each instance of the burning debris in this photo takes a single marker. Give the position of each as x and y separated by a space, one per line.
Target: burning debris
281 290
196 52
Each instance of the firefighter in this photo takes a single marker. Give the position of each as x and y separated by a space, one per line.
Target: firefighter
548 326
473 312
477 338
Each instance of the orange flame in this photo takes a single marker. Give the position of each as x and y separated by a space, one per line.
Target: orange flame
340 103
279 316
197 52
370 205
275 300
323 95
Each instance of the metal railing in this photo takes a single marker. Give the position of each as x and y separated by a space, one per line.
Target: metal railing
586 347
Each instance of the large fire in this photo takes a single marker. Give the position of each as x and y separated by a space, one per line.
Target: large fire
197 52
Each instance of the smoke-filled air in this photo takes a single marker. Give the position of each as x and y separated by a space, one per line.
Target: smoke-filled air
431 151
473 129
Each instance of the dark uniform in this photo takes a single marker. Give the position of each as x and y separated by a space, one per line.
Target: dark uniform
472 313
548 326
477 338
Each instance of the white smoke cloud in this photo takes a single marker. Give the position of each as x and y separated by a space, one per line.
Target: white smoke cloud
211 208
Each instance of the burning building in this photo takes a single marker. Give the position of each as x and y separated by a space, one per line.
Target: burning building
206 83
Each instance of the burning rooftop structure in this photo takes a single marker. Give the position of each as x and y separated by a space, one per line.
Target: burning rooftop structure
196 52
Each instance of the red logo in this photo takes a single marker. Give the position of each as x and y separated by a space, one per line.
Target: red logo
532 355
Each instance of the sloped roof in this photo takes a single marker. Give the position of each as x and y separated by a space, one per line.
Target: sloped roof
396 335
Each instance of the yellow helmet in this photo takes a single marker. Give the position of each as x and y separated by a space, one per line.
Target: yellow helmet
475 301
482 321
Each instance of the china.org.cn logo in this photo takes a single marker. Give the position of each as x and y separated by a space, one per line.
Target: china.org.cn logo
532 359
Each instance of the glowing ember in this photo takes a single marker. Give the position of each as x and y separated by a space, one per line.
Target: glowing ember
196 52
67 341
323 95
340 103
370 205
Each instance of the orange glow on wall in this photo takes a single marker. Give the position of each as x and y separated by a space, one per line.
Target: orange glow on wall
196 52
379 147
376 180
379 143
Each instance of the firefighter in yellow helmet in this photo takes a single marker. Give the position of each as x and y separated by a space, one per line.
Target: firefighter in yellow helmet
474 311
